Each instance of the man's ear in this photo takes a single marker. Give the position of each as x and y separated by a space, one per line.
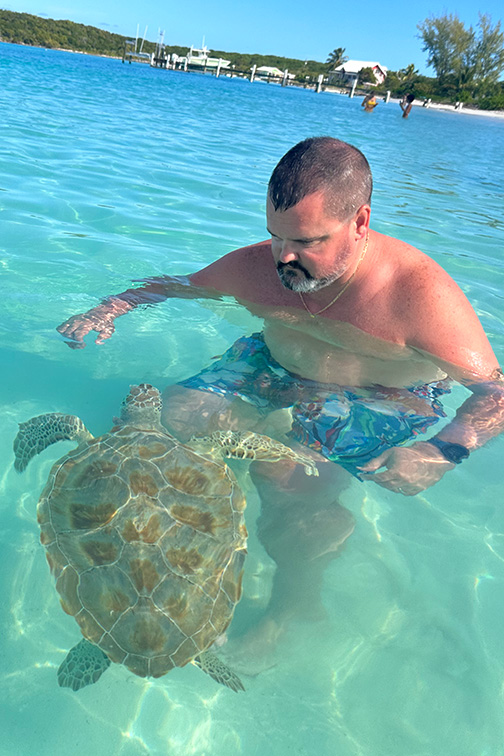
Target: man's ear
361 220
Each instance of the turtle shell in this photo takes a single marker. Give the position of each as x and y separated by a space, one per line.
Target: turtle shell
146 540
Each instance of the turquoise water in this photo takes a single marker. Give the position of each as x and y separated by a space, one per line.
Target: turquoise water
113 172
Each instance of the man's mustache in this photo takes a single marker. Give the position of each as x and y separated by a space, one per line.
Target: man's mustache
294 265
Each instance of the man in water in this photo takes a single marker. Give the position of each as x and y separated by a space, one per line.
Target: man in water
362 334
406 104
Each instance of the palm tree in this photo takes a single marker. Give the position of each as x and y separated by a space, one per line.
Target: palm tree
410 72
336 58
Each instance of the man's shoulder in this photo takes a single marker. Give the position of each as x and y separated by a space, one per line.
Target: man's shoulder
415 289
237 271
252 252
436 316
419 273
410 267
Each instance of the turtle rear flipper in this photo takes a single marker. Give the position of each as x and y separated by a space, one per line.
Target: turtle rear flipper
40 432
221 673
83 665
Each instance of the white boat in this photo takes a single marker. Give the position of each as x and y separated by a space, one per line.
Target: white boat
199 57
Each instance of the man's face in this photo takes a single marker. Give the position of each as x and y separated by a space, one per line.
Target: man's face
311 248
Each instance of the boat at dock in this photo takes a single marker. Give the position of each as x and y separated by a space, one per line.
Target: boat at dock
200 58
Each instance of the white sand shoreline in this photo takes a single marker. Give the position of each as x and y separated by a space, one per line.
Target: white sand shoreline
451 109
446 107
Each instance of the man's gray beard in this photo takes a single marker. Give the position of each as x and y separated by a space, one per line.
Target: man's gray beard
304 285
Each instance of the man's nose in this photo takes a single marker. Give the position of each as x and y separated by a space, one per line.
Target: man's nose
287 253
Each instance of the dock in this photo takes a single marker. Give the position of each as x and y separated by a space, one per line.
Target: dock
199 60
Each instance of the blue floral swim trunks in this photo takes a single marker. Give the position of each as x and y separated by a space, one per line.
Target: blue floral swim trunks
345 424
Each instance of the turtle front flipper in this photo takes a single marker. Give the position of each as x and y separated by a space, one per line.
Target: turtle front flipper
221 673
249 445
40 432
83 665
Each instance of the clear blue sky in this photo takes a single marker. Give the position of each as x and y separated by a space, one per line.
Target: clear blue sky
382 31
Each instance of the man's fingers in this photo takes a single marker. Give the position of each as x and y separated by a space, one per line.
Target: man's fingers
395 485
400 487
104 334
384 477
63 327
376 463
390 485
76 329
69 326
75 336
82 330
105 331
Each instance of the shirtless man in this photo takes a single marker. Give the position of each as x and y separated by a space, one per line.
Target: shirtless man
406 104
362 333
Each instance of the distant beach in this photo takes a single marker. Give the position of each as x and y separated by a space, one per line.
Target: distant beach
464 110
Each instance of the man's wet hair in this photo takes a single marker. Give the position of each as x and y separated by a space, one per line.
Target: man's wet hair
322 164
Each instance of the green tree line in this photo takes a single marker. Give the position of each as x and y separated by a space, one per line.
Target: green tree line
301 69
26 29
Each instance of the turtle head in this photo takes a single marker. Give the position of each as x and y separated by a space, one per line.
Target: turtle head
142 407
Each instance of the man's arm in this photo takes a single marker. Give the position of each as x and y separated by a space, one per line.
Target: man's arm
101 318
445 329
481 417
230 275
414 468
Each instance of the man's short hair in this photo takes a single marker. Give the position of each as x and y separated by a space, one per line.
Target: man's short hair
322 164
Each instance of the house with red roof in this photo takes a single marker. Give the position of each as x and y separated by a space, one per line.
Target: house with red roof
348 72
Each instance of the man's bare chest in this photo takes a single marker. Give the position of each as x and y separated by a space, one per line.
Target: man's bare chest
335 352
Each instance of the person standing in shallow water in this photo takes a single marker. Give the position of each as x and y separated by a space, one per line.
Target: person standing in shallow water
406 104
369 102
362 336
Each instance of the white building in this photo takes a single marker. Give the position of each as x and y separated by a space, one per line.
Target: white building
348 72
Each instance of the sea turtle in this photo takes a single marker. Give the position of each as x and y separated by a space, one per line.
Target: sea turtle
145 537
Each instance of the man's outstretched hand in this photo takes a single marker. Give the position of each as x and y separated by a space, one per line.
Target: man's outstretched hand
410 469
99 319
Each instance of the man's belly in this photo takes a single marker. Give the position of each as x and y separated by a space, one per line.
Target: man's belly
357 359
